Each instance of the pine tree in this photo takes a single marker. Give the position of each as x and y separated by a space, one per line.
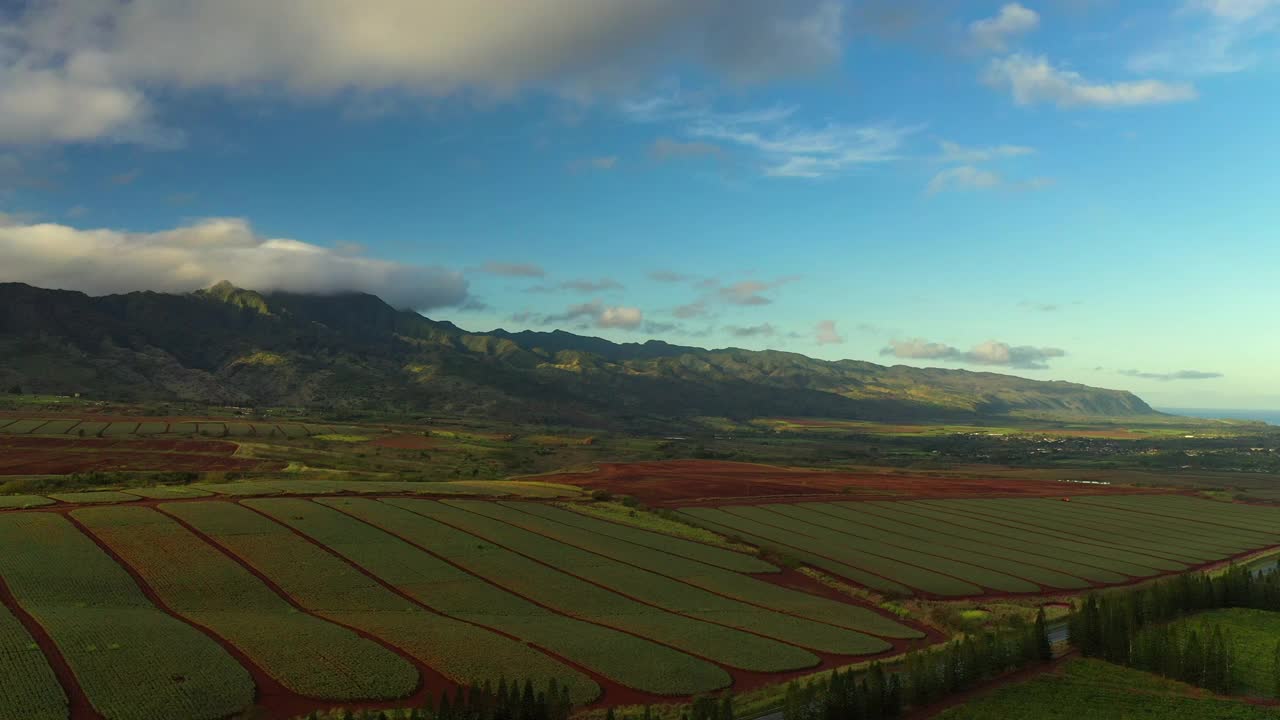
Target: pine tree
1042 637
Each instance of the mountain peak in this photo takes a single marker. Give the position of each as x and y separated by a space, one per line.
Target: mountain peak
225 292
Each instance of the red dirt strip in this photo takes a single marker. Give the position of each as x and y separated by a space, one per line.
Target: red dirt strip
713 482
79 707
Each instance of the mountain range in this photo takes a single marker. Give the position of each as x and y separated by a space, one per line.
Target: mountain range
354 352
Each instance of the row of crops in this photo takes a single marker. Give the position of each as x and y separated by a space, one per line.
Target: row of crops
985 546
257 488
191 609
97 428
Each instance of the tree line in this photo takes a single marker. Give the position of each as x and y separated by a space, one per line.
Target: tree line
506 701
923 678
1134 627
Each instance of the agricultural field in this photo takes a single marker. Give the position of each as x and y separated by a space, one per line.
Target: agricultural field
1101 691
977 547
213 604
401 561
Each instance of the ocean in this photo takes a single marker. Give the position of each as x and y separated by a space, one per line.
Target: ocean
1271 417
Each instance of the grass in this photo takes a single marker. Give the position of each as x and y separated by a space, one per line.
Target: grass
626 659
21 502
131 659
667 524
330 587
337 437
319 659
30 690
93 497
1254 634
1100 691
577 598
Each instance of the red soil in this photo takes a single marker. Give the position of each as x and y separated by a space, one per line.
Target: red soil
405 442
60 456
709 482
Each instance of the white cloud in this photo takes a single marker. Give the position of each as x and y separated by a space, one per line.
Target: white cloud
964 177
762 330
70 104
1170 376
786 148
76 70
597 314
193 256
991 352
1237 35
825 333
1235 10
1032 79
620 317
994 33
956 153
748 292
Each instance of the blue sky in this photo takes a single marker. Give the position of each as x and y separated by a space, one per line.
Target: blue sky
1066 189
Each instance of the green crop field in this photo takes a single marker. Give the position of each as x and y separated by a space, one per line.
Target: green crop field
168 492
981 546
333 590
94 497
321 660
23 501
1097 690
131 659
29 690
22 427
565 593
325 585
458 594
694 579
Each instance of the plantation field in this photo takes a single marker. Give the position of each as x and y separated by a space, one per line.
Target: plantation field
259 488
30 690
131 659
954 548
195 606
1100 691
194 580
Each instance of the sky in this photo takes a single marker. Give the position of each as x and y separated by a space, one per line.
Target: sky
1078 190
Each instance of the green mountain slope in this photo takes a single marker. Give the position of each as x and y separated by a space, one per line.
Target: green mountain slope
228 345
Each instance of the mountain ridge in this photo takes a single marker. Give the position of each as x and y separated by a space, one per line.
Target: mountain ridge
354 351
